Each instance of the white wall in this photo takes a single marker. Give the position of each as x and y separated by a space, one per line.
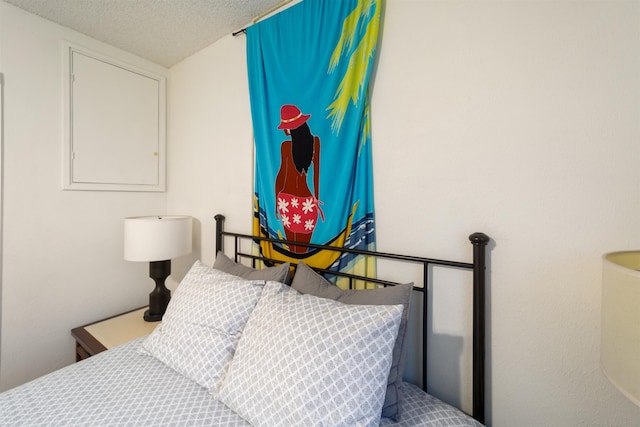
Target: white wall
62 258
519 119
211 149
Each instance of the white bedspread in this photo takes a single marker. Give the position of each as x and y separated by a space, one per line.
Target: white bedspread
122 387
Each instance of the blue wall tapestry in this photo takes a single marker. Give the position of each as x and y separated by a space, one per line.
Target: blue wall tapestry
309 70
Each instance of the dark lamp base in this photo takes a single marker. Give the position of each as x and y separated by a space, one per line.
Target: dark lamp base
160 296
148 317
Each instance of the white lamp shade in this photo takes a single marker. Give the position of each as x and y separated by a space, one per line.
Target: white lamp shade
157 238
620 346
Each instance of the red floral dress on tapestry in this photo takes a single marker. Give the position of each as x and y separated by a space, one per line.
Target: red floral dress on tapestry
299 214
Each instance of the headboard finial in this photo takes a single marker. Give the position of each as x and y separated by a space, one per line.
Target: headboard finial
479 239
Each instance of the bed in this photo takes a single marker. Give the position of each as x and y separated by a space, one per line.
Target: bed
242 343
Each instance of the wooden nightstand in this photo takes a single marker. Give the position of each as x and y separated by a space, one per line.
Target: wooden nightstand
108 333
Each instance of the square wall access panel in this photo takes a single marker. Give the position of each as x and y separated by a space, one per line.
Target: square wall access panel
115 138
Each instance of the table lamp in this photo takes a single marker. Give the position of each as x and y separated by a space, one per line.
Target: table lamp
157 240
620 346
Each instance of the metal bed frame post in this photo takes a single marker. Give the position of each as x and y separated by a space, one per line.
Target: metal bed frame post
219 227
425 317
479 242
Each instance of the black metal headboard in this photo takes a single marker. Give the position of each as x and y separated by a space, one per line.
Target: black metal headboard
478 268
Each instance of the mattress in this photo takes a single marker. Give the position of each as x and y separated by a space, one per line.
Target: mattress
123 387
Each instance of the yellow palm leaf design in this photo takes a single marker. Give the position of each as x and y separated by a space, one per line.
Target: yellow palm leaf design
350 88
366 127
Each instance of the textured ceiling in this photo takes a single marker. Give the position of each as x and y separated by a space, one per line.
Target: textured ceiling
162 31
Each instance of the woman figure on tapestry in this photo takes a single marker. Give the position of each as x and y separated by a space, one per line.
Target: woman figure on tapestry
296 205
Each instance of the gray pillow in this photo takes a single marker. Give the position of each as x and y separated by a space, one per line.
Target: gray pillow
307 281
279 273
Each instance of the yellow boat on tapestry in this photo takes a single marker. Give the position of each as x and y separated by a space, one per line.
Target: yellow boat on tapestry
323 259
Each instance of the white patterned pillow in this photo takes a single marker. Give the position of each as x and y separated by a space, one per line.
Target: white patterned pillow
203 323
309 361
307 281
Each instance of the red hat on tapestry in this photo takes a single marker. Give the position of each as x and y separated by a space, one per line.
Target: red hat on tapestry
291 117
